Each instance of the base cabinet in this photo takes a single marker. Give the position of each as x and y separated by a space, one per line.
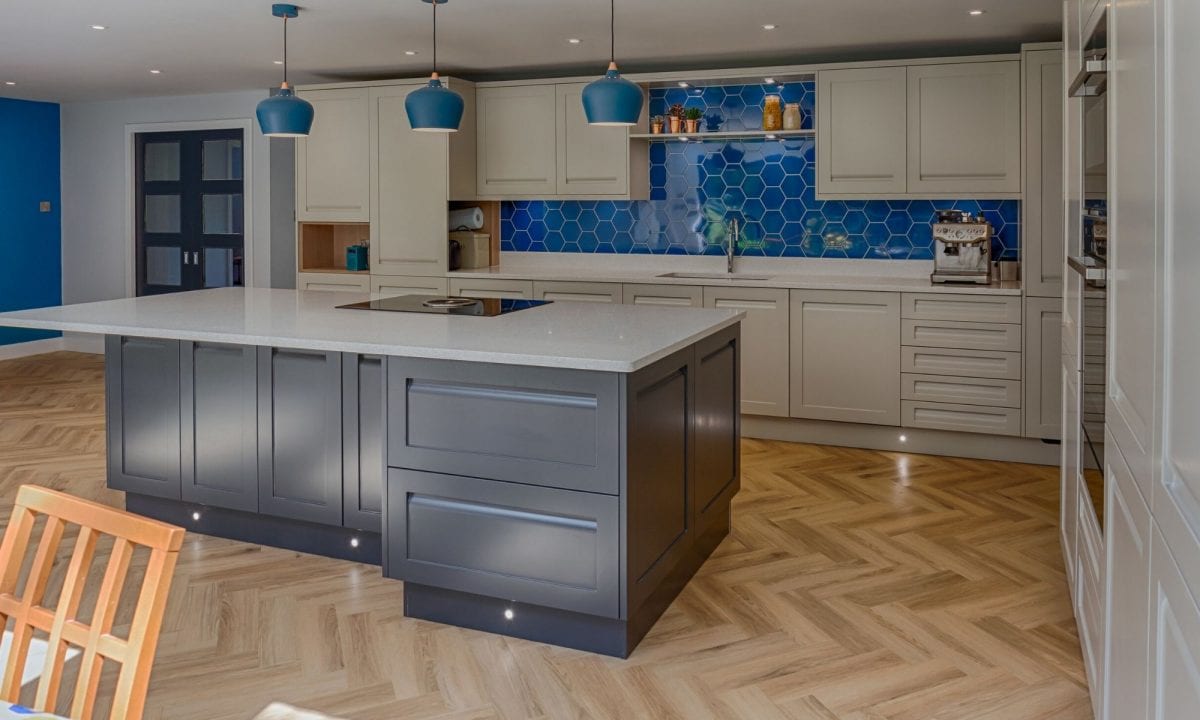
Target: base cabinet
141 384
845 356
362 442
765 351
219 410
484 287
1174 684
1043 368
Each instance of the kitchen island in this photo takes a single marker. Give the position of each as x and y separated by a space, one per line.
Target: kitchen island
557 473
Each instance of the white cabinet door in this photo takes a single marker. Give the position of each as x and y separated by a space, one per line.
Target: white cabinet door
845 356
861 132
592 160
669 295
517 150
1043 368
1069 477
491 288
554 290
1175 638
1042 228
765 372
964 129
333 164
1127 538
410 174
336 282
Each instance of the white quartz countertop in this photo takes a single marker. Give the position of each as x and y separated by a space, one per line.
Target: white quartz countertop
581 336
787 273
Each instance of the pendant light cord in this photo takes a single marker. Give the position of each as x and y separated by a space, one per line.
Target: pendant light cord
612 31
435 4
285 82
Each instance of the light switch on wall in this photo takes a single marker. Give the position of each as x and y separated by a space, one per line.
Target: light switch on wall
44 206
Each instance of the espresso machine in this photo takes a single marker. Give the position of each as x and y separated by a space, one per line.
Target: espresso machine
962 251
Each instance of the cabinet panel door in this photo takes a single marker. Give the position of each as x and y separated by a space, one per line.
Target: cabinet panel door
333 282
491 288
592 159
1069 479
398 285
1175 637
1127 539
410 180
765 351
845 356
141 384
669 295
333 164
219 412
1042 229
964 128
604 293
300 434
861 132
517 146
362 441
1043 368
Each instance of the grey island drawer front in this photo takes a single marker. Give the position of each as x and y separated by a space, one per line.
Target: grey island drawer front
538 426
556 548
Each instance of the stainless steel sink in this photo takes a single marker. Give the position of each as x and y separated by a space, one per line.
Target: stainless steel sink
714 276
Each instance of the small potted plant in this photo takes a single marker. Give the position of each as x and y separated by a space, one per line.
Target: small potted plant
692 117
675 115
656 124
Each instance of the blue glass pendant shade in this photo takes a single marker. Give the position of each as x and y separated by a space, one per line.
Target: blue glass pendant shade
285 115
612 100
434 108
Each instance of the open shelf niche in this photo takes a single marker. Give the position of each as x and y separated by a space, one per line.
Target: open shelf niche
323 245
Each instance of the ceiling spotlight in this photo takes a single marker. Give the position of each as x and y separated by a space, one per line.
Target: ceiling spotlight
278 62
10 82
976 13
769 26
410 52
156 72
574 41
99 27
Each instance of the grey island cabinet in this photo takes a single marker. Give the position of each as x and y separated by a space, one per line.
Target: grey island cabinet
556 474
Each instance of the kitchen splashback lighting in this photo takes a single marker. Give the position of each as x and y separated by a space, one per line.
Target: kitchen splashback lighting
284 114
435 107
612 100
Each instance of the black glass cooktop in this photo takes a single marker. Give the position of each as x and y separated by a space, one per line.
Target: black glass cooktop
441 305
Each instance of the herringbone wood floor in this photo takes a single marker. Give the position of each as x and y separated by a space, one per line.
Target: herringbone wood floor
856 584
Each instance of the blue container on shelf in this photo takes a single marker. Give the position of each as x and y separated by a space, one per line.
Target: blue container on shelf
357 258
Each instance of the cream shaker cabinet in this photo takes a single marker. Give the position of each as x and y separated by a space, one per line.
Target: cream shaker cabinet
765 351
861 132
964 129
333 164
1043 368
668 295
845 356
335 282
1042 229
588 292
592 160
485 287
410 176
517 148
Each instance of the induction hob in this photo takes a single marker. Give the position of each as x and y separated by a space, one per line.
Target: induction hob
442 305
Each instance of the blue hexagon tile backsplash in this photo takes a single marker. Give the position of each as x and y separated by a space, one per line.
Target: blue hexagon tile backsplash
769 186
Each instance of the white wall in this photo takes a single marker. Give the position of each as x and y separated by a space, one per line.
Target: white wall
95 237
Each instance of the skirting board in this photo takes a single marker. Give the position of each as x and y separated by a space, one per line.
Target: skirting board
33 347
916 440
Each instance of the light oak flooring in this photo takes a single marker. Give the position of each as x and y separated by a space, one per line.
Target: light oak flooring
856 584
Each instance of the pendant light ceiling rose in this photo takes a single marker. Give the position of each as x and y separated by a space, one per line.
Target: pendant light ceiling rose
435 107
283 114
612 100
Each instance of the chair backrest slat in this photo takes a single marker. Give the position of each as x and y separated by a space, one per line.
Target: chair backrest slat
93 636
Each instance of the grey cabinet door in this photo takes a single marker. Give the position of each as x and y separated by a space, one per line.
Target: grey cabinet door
218 409
141 380
362 441
300 434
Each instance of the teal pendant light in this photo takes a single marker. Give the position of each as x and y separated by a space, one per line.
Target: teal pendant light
283 114
435 107
612 100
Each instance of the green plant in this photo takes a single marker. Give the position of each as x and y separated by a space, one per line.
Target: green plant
693 113
676 110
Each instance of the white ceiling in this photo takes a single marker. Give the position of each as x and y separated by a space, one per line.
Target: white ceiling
48 48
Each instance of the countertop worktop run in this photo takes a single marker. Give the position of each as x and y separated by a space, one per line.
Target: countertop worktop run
580 336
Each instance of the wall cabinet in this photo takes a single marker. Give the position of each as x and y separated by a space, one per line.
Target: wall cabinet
862 132
1042 228
845 356
577 291
517 148
333 164
491 287
592 159
300 435
765 349
1043 368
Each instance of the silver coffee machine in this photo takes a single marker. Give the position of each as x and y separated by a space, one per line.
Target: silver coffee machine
962 251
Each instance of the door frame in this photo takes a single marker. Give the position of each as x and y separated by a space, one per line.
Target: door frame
132 130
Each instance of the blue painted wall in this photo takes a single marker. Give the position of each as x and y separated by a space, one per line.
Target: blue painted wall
696 188
30 240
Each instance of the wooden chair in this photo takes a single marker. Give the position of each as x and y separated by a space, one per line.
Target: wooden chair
92 636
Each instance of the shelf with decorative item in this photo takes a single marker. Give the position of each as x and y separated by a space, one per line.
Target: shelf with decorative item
724 135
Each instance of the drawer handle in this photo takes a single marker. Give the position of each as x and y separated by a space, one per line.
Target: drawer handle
470 508
483 392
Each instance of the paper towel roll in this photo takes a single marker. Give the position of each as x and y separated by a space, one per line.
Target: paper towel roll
466 219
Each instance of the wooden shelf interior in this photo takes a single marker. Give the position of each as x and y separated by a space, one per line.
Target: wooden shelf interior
323 245
728 135
491 221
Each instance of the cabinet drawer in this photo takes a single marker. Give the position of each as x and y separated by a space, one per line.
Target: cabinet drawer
962 390
460 418
965 418
670 295
963 363
961 335
518 542
407 285
491 288
968 308
335 282
577 292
